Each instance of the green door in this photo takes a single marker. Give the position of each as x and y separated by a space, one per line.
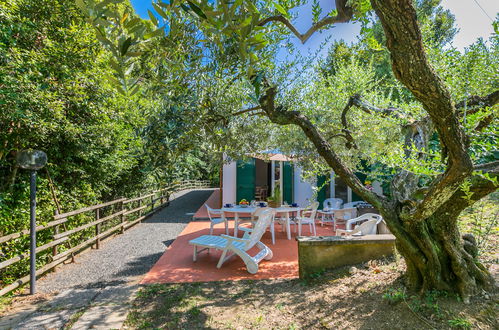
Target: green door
245 180
287 182
323 193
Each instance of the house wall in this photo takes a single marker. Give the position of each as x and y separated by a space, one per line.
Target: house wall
302 191
229 183
377 187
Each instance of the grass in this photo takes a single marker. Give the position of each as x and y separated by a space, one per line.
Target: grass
365 298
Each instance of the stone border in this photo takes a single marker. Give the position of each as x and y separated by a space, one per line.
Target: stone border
318 253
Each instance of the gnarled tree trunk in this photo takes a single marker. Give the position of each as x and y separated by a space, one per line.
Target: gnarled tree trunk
437 257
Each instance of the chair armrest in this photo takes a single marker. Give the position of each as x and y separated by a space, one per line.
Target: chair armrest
248 230
234 239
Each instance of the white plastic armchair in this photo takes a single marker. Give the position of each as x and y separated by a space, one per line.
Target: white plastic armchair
308 220
332 203
216 217
367 228
231 245
362 218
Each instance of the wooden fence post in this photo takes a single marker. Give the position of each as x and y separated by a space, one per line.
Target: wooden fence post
97 229
56 231
140 205
122 217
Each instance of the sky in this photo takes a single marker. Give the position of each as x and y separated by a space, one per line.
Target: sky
471 20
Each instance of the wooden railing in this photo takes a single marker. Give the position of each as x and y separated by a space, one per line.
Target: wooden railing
106 219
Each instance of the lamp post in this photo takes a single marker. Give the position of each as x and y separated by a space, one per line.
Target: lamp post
32 160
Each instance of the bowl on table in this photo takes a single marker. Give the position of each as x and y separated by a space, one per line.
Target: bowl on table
228 205
294 205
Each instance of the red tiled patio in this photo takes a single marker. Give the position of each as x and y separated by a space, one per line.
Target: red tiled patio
176 265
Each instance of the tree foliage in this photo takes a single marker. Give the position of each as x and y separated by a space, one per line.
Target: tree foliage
58 93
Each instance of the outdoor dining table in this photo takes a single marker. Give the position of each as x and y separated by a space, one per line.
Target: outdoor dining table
237 210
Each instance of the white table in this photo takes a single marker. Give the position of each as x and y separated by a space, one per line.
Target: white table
237 210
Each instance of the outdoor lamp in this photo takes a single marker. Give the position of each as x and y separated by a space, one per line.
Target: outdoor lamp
32 160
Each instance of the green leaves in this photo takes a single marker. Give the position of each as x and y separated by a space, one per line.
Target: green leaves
160 11
156 33
316 11
196 9
280 9
153 18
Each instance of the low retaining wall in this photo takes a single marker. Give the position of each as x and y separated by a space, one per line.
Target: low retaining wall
316 254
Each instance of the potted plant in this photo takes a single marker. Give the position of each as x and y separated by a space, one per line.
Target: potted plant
275 199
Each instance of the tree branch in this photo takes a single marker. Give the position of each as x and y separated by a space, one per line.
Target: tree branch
367 108
246 110
345 13
475 102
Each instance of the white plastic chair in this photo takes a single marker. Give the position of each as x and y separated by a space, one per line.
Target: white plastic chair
367 228
212 213
362 218
332 203
308 220
233 245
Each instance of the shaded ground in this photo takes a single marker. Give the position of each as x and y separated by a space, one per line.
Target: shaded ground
370 296
97 287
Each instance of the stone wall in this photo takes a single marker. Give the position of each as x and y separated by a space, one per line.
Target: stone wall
316 254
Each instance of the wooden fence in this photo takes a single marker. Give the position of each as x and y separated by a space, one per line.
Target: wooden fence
118 216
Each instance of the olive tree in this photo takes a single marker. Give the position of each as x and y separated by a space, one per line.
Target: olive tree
423 208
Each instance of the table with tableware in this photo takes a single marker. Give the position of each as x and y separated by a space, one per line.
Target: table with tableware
240 210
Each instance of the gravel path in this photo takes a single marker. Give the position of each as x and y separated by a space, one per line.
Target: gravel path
123 258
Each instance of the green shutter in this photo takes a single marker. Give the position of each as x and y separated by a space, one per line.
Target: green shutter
322 194
245 180
287 182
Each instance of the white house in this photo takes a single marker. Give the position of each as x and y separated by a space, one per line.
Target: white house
257 177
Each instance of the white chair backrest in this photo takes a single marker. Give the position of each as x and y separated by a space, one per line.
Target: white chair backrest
259 211
368 227
212 211
264 219
313 209
367 216
364 217
333 203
